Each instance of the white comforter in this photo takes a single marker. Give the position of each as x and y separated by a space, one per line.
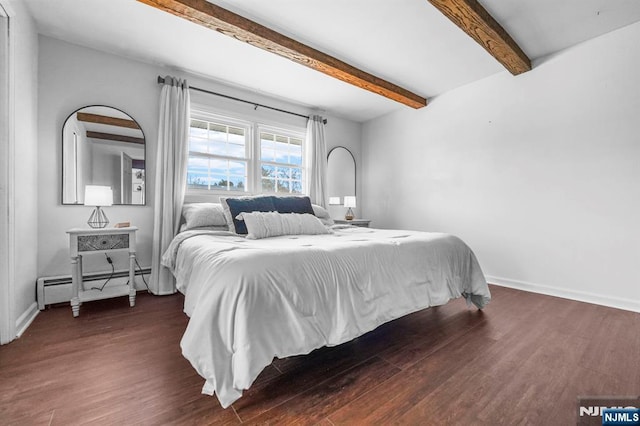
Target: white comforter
251 300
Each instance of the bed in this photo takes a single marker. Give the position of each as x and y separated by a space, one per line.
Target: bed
250 300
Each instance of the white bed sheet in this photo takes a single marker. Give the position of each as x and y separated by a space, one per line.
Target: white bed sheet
252 300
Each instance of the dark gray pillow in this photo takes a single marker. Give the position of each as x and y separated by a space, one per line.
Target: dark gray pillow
248 205
293 204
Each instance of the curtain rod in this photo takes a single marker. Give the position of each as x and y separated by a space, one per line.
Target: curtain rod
255 104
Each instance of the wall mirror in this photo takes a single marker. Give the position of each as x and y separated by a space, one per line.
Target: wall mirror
341 173
102 145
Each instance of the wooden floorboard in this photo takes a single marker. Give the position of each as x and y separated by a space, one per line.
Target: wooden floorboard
525 359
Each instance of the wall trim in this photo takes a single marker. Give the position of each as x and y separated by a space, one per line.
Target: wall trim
580 296
26 319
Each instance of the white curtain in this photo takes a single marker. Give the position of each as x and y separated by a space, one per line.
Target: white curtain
171 176
317 181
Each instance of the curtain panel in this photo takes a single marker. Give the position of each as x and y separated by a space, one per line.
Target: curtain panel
317 181
171 177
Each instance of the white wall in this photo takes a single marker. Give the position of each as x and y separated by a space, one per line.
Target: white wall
72 77
26 163
346 133
539 173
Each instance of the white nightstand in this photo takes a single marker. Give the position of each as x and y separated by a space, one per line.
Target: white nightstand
86 240
364 223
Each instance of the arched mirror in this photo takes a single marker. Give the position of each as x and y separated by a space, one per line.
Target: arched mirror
104 146
341 175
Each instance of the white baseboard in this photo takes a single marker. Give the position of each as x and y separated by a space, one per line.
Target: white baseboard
52 290
580 296
26 319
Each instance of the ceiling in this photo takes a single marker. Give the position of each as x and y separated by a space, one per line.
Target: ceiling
406 42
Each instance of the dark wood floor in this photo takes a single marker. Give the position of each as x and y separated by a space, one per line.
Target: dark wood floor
524 360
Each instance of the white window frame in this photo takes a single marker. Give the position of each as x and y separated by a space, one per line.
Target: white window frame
254 160
280 132
227 121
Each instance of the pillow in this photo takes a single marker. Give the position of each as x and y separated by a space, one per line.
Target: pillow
197 215
322 214
234 206
293 204
272 224
224 227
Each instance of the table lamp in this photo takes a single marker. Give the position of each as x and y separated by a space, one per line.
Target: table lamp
349 202
98 196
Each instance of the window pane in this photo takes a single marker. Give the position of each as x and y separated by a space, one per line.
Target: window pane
296 186
197 172
219 182
218 167
281 156
296 174
217 148
268 171
283 186
198 145
198 128
235 150
217 132
268 185
283 172
267 147
240 183
218 138
295 154
282 152
237 168
236 135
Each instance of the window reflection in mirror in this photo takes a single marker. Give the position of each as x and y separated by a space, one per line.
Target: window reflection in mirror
103 146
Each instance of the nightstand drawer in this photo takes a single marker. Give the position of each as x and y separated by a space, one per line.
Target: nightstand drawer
103 242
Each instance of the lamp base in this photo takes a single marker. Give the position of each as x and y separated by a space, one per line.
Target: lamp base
349 215
98 219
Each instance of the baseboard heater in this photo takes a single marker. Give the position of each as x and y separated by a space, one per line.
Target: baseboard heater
52 290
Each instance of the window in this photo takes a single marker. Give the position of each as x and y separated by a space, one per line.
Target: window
228 155
218 156
281 162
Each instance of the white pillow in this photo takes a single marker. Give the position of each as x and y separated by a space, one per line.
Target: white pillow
197 215
183 228
272 224
322 214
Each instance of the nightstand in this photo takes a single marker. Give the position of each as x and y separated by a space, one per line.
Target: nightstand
85 241
364 223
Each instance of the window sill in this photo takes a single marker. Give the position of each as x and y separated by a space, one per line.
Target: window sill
205 196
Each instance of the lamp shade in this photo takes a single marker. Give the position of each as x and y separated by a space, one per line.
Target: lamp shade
334 201
350 201
96 195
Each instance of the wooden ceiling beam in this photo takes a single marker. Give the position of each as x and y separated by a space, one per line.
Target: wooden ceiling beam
233 25
112 137
474 20
104 119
